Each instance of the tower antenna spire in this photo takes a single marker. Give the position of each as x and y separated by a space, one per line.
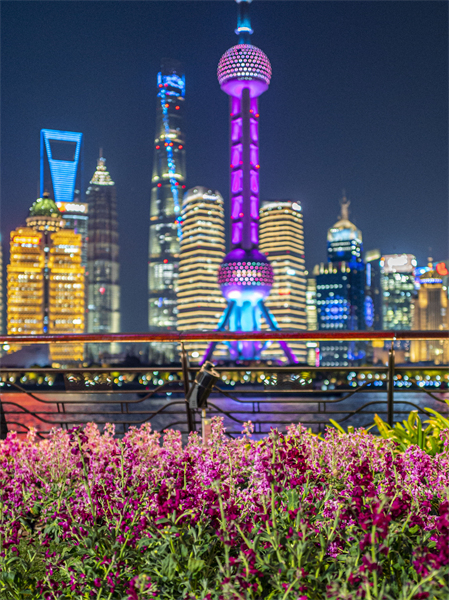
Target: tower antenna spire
244 29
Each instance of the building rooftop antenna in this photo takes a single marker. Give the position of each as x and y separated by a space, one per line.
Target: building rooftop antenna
244 29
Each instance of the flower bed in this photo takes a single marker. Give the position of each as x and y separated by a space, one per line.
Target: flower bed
293 517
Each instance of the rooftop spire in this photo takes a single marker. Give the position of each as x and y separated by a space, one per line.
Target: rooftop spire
344 203
101 175
244 29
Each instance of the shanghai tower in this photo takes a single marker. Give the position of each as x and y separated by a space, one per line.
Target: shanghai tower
167 185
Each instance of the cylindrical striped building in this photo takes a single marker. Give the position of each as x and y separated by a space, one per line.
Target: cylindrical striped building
199 299
281 234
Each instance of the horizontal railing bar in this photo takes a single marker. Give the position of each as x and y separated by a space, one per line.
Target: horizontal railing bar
219 368
222 336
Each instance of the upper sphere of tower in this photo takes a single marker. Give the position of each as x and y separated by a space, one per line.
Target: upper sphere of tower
244 62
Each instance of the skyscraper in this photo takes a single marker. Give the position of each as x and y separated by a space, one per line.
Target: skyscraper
103 254
373 290
431 313
61 164
165 207
200 302
46 279
313 349
398 288
245 275
1 286
76 216
341 292
282 240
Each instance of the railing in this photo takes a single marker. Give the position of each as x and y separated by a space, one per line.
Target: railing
265 394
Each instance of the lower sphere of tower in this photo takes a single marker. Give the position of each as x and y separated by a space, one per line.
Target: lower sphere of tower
245 275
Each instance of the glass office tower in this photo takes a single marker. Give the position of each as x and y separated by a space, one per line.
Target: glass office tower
103 254
61 165
398 285
341 292
165 207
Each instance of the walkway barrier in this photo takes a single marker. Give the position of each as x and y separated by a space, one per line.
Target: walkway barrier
269 395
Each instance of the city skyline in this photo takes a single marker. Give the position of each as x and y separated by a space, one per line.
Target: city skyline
373 170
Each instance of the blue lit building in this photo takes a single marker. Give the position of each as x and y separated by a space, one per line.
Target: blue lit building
61 165
373 291
341 292
168 183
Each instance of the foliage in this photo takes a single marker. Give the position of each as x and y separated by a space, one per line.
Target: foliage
291 517
432 439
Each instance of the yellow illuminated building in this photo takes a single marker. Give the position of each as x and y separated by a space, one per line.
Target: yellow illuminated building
431 314
66 292
25 277
46 280
200 301
281 239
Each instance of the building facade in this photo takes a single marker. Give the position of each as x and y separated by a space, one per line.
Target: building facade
313 349
281 234
199 299
373 291
398 290
103 254
61 165
165 207
340 292
76 216
431 313
46 286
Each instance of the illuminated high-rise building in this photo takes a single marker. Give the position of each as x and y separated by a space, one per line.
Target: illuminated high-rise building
103 254
76 216
46 279
25 277
282 241
200 302
340 286
1 286
313 350
61 165
398 290
165 207
431 313
66 293
373 291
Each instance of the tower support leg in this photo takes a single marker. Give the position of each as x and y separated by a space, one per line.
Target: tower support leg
273 326
221 326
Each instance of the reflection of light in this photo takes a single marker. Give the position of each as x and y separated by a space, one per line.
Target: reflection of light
71 207
234 295
442 269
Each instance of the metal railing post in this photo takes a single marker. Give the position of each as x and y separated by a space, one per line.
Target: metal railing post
3 425
390 386
186 381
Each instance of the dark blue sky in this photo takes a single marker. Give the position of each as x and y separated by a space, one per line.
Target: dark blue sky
358 99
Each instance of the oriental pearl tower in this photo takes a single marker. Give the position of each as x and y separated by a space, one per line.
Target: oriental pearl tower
245 275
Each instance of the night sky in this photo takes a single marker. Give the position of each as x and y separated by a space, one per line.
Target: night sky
358 100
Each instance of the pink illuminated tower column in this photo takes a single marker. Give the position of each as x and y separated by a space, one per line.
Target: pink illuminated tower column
245 275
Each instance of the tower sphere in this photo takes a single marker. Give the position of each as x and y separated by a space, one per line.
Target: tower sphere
245 275
242 66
